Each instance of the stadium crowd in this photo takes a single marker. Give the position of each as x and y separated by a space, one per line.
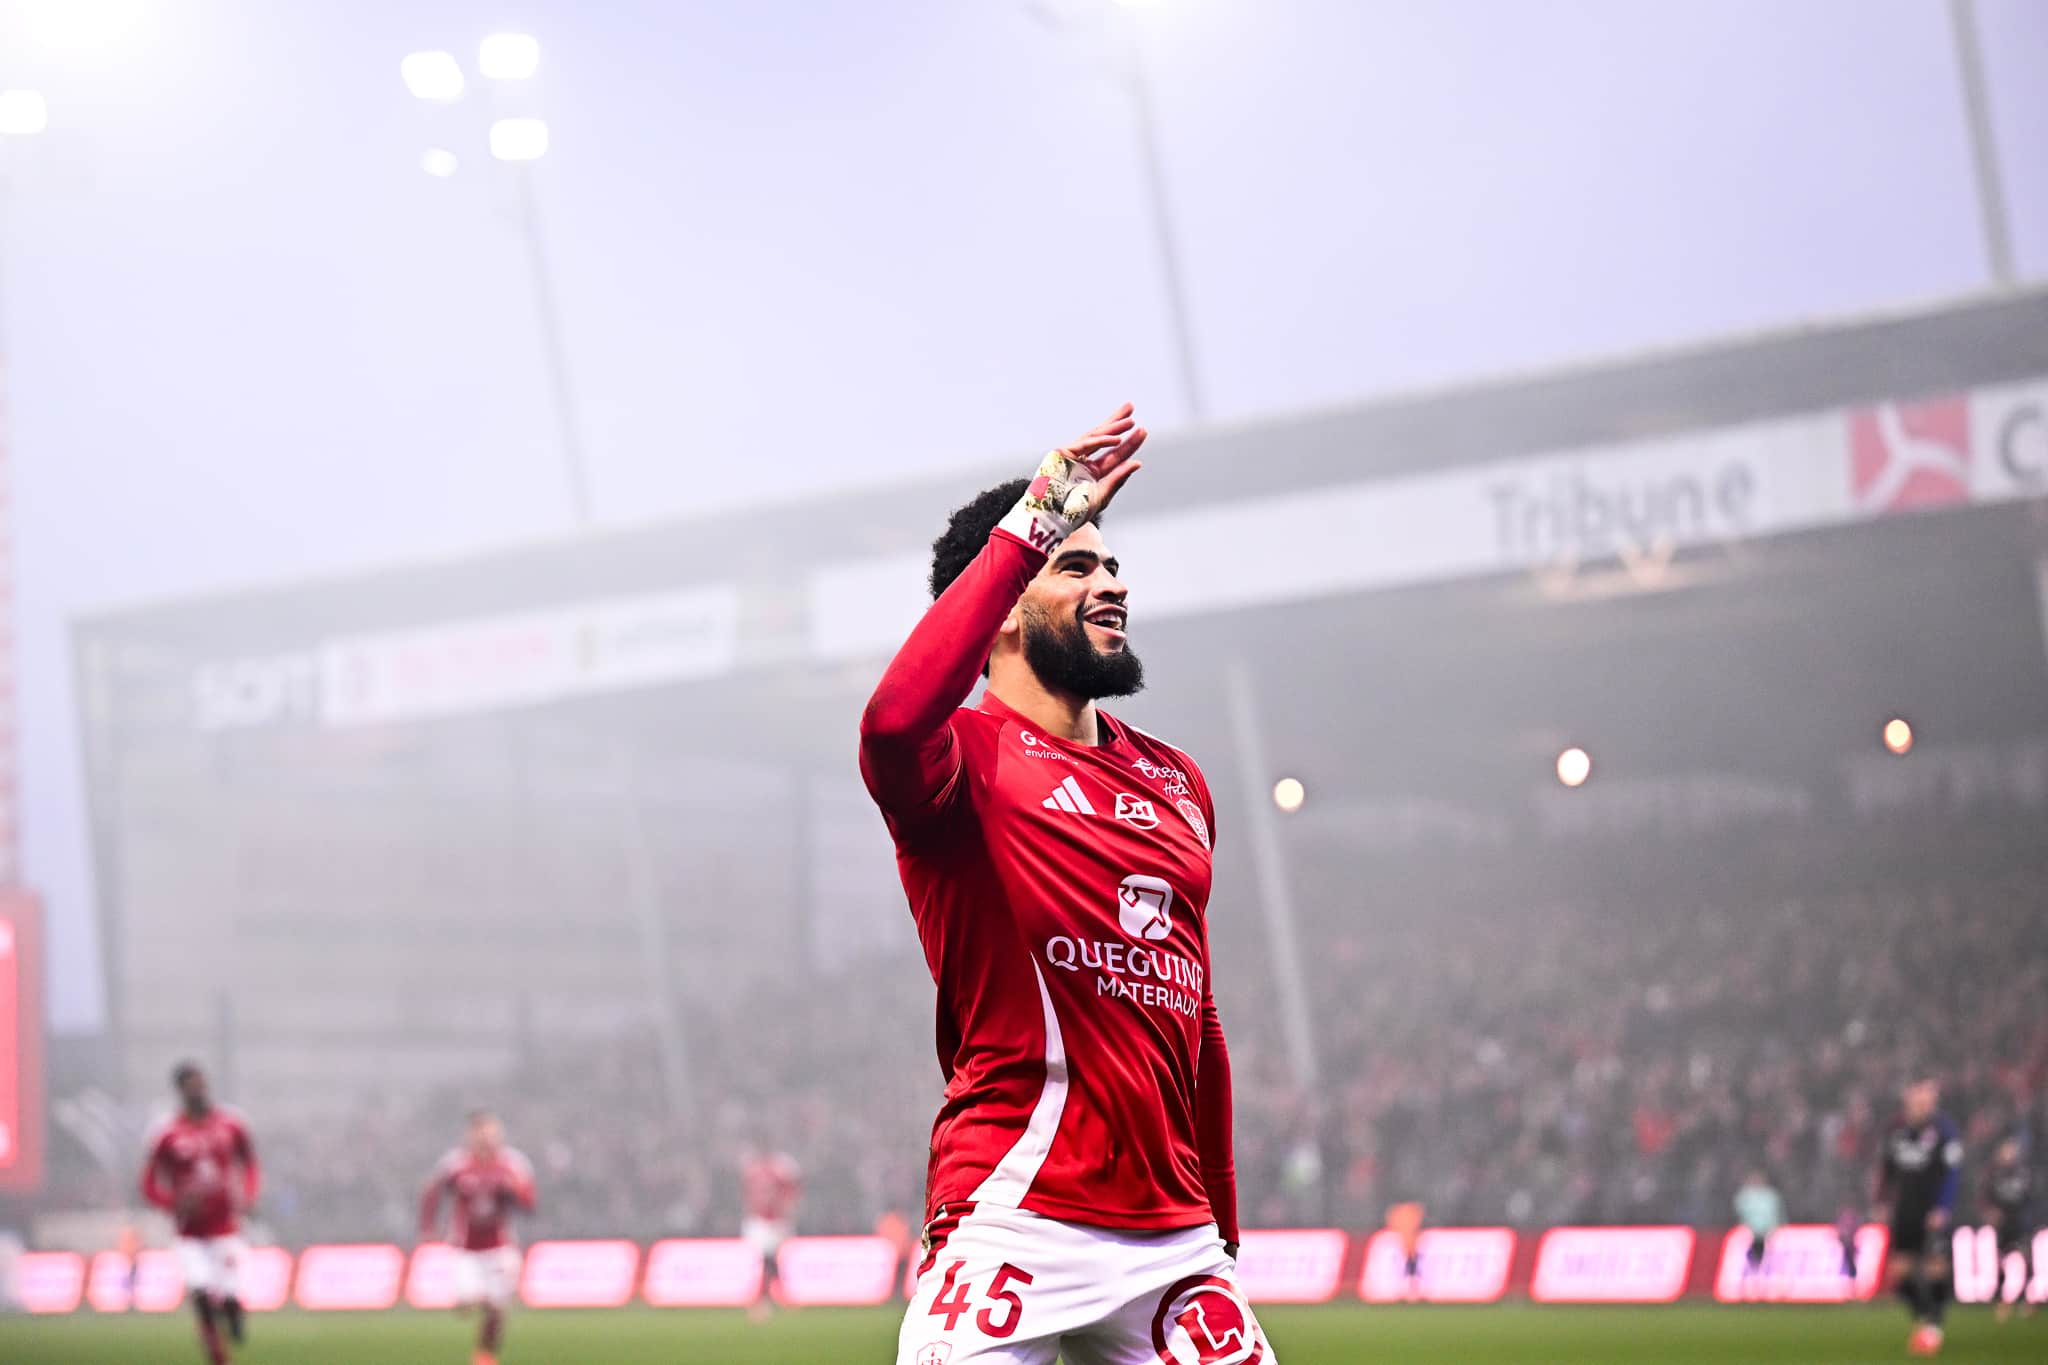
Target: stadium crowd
1627 1062
1610 1061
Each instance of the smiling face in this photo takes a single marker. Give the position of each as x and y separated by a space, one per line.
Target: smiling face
1073 620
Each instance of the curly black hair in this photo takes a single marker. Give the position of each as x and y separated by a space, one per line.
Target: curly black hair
967 530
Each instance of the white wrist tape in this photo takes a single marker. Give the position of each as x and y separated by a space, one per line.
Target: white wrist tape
1060 499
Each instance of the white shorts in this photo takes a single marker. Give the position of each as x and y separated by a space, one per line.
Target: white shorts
490 1277
211 1265
1007 1287
764 1235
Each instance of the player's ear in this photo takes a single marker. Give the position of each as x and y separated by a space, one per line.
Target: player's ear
1013 623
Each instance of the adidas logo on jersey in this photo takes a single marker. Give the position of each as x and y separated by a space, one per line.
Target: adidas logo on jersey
1069 797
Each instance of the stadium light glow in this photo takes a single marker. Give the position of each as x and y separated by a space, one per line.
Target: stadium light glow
439 162
508 56
1574 766
1288 794
519 139
1898 736
434 76
83 28
22 113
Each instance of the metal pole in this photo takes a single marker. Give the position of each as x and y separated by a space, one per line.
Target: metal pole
644 889
10 752
1276 896
1962 16
1179 317
556 351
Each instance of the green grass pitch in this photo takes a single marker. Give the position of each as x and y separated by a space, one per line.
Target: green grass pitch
1336 1335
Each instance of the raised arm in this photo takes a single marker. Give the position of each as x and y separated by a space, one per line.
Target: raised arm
907 753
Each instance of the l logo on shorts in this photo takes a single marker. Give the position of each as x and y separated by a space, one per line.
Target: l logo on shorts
1203 1320
933 1353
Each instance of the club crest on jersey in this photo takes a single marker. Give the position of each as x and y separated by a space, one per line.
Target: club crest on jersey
1195 821
933 1353
1136 810
1203 1320
1144 907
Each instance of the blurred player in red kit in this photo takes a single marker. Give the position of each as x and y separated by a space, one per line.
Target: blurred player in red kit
486 1182
771 1183
202 1170
1082 1197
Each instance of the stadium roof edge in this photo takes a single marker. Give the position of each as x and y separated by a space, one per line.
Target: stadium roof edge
1904 351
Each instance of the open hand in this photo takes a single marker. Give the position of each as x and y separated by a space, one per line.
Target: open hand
1106 453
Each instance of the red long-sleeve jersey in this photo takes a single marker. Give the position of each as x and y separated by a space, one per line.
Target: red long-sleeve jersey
1061 893
203 1172
483 1191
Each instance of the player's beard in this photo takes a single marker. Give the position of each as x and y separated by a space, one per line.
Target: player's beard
1066 660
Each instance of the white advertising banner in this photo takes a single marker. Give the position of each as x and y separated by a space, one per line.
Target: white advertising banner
1551 510
1638 499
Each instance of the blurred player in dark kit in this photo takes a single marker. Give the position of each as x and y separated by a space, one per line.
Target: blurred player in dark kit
1920 1171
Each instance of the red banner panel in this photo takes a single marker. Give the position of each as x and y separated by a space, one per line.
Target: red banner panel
350 1277
1612 1265
1802 1264
21 1042
159 1283
579 1274
1983 1276
49 1281
266 1279
1456 1265
430 1277
106 1283
152 1285
1293 1265
837 1270
707 1272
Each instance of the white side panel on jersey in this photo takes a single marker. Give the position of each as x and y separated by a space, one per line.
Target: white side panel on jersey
1008 1182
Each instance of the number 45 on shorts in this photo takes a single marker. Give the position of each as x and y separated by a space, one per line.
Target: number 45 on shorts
955 1299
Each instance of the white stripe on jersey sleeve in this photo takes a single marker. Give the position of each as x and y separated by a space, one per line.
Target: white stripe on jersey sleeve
1008 1183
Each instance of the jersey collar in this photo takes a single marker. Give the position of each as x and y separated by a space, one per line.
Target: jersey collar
1114 737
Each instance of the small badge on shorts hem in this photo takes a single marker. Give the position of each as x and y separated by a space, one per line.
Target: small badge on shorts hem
933 1353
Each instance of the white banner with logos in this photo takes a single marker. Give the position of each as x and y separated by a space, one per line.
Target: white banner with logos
480 664
1558 508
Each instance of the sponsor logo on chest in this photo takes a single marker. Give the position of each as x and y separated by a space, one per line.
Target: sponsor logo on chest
1034 747
1172 781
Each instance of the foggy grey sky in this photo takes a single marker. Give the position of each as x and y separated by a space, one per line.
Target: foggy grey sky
806 244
